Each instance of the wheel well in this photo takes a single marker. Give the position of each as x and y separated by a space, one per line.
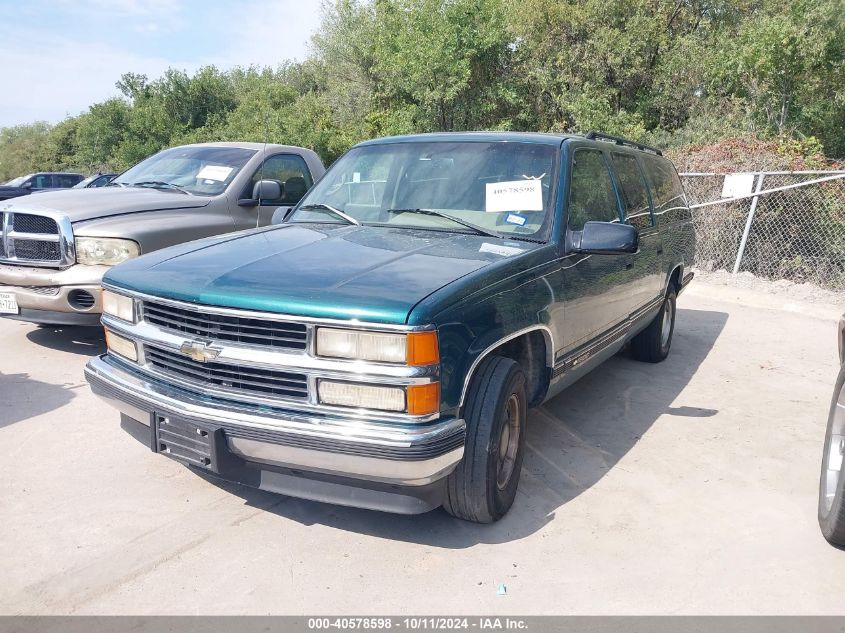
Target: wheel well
529 350
675 278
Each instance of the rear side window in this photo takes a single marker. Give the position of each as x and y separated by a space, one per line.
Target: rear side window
591 195
42 181
288 170
67 180
666 190
633 190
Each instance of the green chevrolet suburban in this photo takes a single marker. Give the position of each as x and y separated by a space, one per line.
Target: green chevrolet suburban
380 345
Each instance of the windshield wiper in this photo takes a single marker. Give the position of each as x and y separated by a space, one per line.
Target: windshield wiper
155 184
440 214
320 206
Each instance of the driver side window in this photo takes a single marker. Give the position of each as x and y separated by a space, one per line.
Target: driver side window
288 170
591 193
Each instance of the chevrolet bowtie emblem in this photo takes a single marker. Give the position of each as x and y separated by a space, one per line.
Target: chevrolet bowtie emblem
200 351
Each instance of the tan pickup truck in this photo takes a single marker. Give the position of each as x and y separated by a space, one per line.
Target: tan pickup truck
55 247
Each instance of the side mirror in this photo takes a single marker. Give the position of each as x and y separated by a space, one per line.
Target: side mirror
27 185
606 238
263 190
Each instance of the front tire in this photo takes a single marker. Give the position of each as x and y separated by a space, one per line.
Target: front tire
653 343
483 486
831 483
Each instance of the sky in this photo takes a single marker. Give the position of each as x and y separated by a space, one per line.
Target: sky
58 57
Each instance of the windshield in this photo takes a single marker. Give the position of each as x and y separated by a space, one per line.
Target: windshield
102 178
202 171
496 188
16 182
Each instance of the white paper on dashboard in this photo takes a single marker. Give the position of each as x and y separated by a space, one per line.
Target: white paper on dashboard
514 195
499 249
214 172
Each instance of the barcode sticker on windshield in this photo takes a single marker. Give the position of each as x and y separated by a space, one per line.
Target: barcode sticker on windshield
214 172
514 195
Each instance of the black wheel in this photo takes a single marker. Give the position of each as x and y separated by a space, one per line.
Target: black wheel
831 507
483 486
653 343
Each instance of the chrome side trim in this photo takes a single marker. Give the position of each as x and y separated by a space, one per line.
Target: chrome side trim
605 339
550 353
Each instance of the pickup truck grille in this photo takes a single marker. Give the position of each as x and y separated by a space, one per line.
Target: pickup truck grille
216 376
25 223
30 238
225 327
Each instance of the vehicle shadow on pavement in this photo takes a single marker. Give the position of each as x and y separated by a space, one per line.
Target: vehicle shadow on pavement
24 398
82 340
573 441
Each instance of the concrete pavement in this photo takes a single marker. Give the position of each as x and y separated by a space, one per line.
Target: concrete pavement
684 487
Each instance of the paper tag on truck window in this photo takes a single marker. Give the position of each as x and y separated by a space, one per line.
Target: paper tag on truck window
514 195
499 249
515 218
218 173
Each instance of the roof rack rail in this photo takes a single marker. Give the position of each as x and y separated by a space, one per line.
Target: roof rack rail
601 136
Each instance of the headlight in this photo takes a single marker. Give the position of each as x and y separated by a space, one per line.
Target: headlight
121 306
106 251
414 399
121 346
345 394
416 348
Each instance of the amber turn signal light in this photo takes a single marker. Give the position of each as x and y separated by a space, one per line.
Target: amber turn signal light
423 348
423 399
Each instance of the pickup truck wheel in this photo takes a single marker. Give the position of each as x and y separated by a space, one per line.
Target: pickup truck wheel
483 485
831 484
653 343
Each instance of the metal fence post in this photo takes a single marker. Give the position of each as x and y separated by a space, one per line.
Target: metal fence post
748 223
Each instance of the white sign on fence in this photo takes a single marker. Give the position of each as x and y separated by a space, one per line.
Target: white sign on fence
736 185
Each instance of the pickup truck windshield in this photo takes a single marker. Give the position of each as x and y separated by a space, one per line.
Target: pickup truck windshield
200 171
500 188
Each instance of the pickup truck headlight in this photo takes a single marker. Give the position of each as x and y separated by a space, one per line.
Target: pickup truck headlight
415 348
118 305
105 251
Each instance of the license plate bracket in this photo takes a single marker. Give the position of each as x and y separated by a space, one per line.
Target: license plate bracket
186 441
8 303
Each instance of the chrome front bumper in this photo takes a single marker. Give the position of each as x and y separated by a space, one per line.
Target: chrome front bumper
362 451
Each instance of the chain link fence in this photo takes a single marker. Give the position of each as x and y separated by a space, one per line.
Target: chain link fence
790 226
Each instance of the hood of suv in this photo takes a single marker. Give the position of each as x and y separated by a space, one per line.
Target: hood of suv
374 274
88 204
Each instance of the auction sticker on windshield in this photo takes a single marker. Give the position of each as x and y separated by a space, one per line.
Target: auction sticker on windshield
8 303
214 172
514 195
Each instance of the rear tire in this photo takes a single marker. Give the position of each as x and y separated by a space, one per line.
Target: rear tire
831 483
653 343
483 486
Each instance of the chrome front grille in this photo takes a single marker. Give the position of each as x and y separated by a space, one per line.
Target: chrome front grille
26 223
225 327
224 376
30 238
